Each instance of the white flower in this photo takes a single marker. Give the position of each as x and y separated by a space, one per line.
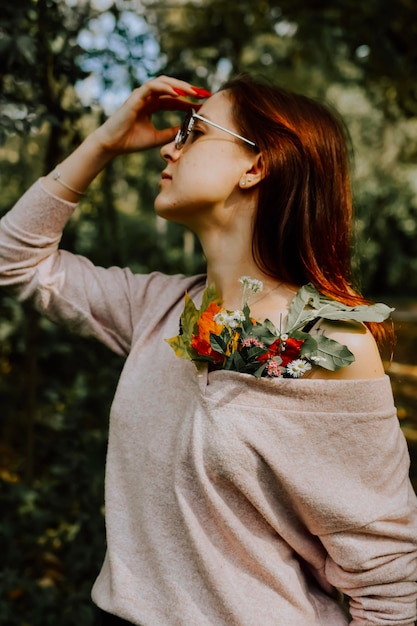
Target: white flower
283 337
298 367
253 285
232 320
239 316
250 286
221 317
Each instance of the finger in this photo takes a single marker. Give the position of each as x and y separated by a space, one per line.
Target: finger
164 86
167 103
166 135
182 88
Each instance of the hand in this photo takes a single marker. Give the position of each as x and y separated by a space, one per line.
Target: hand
131 129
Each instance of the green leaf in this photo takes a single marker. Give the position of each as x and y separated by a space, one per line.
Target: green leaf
363 313
247 325
258 373
210 294
180 346
265 332
189 318
271 328
335 354
238 362
297 315
218 344
329 309
310 343
254 352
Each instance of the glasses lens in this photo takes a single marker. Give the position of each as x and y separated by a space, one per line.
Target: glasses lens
184 131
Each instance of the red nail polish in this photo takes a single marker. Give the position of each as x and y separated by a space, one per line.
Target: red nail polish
201 93
180 92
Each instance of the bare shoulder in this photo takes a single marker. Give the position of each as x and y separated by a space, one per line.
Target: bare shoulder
361 343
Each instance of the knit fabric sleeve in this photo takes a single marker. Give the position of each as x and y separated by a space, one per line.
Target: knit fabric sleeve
375 565
365 514
332 459
103 303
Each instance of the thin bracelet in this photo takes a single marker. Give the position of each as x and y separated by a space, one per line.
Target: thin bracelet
56 175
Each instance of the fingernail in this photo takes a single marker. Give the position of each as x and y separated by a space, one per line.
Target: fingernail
201 93
180 92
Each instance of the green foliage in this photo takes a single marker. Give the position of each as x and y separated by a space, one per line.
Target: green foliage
309 304
230 332
56 389
55 393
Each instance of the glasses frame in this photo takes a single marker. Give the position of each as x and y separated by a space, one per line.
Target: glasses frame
188 124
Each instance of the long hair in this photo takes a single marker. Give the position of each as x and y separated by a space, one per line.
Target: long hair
303 224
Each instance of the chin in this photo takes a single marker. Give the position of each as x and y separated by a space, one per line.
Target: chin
167 212
161 207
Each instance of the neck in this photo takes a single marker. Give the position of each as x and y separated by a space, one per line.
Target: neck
226 238
228 259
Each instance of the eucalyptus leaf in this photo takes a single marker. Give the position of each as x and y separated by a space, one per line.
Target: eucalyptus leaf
271 328
310 343
297 315
266 332
377 312
334 354
326 308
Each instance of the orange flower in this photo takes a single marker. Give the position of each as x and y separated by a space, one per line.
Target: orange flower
206 323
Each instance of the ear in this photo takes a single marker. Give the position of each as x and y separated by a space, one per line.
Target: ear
253 174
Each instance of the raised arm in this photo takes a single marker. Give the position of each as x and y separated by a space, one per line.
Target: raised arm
129 129
67 288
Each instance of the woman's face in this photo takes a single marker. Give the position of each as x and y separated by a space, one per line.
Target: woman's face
200 183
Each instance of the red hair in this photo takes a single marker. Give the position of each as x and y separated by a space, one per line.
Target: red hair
303 225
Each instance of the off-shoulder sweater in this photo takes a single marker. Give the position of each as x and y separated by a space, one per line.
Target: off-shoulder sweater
230 500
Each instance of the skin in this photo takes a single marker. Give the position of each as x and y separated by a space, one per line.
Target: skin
202 187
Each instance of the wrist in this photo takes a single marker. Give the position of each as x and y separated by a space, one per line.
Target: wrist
101 144
99 153
70 178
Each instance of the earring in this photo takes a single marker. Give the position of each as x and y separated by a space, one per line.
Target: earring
243 183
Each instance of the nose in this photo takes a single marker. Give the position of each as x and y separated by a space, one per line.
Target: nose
169 151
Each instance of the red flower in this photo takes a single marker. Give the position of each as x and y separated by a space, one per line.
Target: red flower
204 348
207 326
290 352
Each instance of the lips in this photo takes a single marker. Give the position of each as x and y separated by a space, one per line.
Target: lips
166 176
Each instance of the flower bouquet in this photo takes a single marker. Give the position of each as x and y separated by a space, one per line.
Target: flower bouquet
233 340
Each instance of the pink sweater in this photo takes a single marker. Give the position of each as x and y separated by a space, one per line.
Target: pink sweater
230 501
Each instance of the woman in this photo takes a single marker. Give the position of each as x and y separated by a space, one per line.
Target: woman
234 498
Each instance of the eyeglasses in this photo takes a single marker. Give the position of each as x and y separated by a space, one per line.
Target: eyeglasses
188 125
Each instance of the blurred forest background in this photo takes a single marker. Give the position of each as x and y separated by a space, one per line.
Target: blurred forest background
64 66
